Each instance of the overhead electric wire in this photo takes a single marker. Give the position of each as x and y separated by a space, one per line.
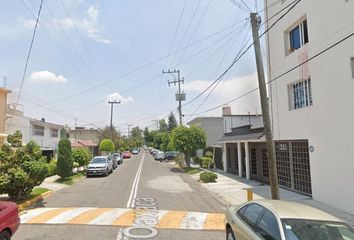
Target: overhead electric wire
240 6
284 73
187 29
196 29
27 59
138 68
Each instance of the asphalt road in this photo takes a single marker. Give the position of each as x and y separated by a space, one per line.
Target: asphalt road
175 195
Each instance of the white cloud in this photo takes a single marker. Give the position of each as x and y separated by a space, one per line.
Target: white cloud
46 77
117 97
28 23
87 25
227 90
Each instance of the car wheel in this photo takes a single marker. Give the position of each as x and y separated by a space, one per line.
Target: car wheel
107 172
5 235
230 234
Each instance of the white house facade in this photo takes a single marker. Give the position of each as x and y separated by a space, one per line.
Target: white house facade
312 105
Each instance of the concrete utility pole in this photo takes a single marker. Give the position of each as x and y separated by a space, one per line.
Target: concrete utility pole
179 96
111 125
273 179
129 129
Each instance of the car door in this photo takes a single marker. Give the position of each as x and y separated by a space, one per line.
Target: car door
246 220
267 227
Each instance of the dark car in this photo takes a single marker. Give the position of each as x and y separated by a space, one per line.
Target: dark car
9 220
172 155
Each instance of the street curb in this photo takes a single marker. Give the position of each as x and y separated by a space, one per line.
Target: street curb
30 202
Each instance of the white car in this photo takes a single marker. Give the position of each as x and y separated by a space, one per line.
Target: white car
100 165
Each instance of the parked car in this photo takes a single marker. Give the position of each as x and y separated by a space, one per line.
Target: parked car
171 155
118 157
126 154
135 151
100 165
9 220
153 152
160 156
282 220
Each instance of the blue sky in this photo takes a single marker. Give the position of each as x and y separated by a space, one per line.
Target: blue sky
80 60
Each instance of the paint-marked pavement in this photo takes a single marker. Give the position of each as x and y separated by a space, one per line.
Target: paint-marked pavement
122 217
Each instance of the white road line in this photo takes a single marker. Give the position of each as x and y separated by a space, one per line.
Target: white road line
194 220
132 196
68 215
109 217
28 215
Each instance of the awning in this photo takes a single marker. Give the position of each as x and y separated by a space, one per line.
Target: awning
258 136
83 143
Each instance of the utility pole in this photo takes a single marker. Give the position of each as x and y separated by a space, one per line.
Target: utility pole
273 179
129 129
179 96
111 125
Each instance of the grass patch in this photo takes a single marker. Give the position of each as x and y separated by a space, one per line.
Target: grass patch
70 180
35 192
191 170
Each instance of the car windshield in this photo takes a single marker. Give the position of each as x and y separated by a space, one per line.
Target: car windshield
301 229
98 160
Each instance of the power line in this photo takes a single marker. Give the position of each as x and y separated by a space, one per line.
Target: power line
27 59
283 74
240 6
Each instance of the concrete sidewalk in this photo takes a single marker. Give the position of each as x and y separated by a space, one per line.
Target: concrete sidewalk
231 189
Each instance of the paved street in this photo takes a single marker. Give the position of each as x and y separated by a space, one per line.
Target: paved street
101 207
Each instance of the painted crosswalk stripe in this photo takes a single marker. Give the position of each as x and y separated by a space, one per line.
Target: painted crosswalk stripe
123 217
109 218
67 216
194 220
29 214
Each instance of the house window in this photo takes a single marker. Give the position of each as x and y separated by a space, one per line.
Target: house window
38 130
300 94
53 132
298 36
352 64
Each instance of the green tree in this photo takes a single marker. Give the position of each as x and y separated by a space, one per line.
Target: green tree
163 125
136 135
148 137
172 122
21 167
81 156
105 133
188 140
107 145
65 160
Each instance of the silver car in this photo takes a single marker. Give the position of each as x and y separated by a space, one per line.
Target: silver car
282 220
100 165
160 156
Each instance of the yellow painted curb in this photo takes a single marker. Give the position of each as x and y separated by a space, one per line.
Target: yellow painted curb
28 203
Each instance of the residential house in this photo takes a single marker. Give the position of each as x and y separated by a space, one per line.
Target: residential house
311 105
3 100
45 134
213 127
81 137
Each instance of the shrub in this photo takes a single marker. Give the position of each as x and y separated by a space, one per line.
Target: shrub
81 156
76 164
207 177
65 162
21 167
52 168
196 160
207 162
107 145
208 154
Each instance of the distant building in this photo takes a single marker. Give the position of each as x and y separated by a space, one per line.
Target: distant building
45 134
88 138
3 100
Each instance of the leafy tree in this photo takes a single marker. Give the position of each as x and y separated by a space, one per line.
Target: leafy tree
21 167
148 137
172 122
105 133
81 156
136 136
65 160
107 145
163 125
188 140
165 139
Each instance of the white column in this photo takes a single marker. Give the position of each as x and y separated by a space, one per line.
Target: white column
239 159
247 160
224 160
